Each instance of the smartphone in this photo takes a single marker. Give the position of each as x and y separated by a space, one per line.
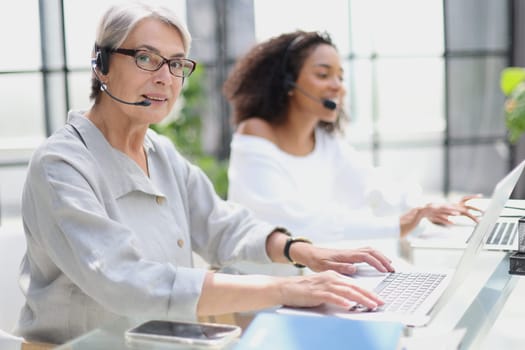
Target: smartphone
209 335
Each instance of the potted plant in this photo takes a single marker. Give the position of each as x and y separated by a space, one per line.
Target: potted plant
513 86
184 128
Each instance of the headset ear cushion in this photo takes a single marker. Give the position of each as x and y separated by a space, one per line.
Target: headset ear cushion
103 61
288 82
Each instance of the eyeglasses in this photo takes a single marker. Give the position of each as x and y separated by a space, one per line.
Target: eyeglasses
150 61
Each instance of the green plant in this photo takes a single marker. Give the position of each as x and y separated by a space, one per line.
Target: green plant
513 86
184 128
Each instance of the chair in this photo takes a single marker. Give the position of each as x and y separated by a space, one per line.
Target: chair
12 249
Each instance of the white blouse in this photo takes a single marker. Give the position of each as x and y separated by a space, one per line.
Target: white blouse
327 195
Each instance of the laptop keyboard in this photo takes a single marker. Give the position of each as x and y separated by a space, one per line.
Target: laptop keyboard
503 233
405 292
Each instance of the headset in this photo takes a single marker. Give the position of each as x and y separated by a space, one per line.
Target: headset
288 77
101 62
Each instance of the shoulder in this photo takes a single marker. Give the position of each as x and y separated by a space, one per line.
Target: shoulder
257 127
61 159
62 147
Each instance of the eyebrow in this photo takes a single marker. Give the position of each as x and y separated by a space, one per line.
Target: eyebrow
327 66
155 50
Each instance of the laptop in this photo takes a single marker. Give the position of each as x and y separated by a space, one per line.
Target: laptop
502 237
422 293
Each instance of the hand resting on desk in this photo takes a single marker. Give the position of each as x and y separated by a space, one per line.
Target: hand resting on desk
342 288
440 214
351 287
344 260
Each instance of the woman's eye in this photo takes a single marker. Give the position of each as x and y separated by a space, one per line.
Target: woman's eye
143 57
175 64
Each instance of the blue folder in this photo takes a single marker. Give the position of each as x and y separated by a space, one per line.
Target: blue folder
273 331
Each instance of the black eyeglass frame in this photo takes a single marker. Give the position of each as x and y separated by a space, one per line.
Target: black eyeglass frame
133 53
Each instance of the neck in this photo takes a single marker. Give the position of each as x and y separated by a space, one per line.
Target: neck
297 135
120 132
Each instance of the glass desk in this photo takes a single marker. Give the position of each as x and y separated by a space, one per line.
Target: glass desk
477 303
111 336
475 306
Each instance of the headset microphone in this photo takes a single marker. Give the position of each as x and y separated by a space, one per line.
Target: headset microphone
328 104
145 103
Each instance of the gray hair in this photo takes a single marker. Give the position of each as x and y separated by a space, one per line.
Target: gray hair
119 20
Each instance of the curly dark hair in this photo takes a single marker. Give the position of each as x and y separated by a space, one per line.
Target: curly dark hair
257 85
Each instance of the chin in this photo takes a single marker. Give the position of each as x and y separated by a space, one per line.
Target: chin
331 118
154 117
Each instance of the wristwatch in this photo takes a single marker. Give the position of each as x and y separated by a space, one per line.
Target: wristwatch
291 240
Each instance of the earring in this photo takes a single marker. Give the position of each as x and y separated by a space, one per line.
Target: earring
290 93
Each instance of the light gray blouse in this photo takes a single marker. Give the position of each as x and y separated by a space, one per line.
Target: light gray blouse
105 240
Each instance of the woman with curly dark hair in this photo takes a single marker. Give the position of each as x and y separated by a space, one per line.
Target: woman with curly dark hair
263 81
289 163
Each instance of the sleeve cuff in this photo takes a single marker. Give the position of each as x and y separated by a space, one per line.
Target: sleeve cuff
186 292
256 251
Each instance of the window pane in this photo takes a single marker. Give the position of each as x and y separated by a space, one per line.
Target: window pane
477 25
476 102
80 89
359 101
410 95
57 103
51 17
11 184
21 107
240 27
81 20
425 167
399 27
477 168
274 17
19 30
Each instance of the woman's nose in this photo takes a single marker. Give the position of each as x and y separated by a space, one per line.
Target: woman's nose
336 83
163 74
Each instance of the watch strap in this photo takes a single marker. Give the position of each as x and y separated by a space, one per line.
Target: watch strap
287 246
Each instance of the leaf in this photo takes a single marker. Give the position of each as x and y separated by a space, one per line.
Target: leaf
515 112
185 131
510 78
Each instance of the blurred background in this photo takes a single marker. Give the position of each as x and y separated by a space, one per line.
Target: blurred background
422 80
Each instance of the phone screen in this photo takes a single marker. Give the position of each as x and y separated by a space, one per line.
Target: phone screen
186 332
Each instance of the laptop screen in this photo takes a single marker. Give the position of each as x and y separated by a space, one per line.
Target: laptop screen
499 197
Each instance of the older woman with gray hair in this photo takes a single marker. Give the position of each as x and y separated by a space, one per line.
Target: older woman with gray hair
112 212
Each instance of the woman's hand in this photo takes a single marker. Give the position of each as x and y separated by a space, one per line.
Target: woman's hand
437 213
410 220
340 260
239 293
326 287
